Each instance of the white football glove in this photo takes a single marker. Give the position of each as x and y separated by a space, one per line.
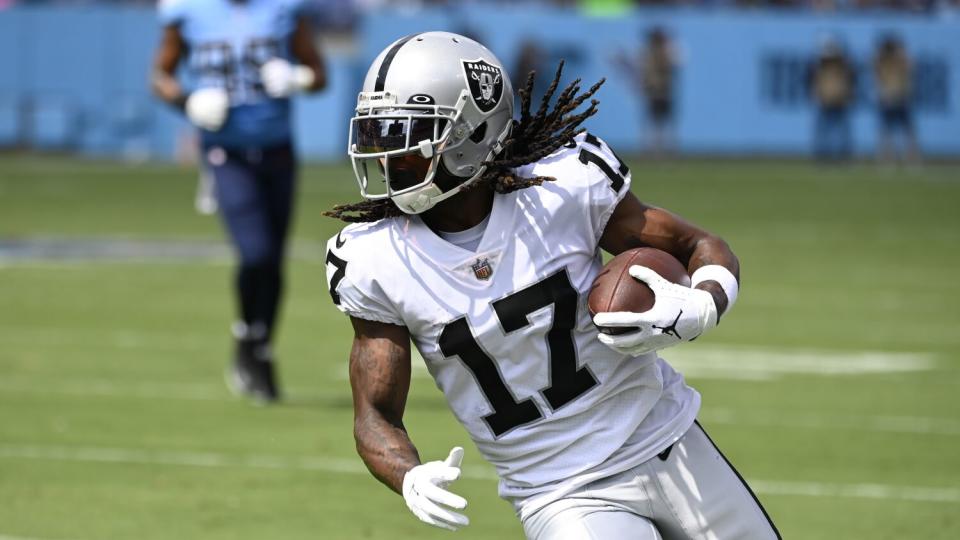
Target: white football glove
207 108
423 489
281 78
678 314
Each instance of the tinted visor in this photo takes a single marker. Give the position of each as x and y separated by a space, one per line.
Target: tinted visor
406 171
386 133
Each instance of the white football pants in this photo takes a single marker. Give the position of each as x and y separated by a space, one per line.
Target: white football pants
690 492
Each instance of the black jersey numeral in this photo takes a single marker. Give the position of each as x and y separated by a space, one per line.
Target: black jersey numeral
256 53
567 381
340 271
508 413
214 59
220 62
617 178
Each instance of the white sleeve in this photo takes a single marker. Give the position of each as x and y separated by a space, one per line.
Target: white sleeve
607 180
171 12
355 292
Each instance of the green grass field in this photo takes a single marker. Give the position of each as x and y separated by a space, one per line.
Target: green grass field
834 385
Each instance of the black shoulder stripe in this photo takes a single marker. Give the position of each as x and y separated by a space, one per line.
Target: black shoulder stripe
387 60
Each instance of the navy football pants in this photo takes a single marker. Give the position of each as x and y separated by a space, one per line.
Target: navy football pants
255 189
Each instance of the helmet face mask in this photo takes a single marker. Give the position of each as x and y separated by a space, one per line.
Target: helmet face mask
429 100
383 135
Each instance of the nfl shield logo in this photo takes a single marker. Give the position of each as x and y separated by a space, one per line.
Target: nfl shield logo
482 269
485 82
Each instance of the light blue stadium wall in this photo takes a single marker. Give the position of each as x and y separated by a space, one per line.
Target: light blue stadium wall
77 76
721 103
78 79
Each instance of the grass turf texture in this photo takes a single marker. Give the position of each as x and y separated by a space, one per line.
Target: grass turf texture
114 422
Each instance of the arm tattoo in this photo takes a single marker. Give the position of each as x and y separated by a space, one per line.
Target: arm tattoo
380 377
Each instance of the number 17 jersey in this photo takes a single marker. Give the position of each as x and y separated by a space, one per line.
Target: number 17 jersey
506 334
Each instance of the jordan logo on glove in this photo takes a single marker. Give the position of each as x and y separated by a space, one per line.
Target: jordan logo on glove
670 330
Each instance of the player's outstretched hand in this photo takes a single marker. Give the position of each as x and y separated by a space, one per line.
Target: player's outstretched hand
281 78
426 496
207 108
678 314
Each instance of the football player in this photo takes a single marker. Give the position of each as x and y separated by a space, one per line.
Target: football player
480 249
248 59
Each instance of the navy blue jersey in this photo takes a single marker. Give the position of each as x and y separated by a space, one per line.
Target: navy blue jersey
227 43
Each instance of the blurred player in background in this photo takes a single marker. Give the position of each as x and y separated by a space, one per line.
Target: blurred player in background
247 59
479 241
653 71
893 74
832 85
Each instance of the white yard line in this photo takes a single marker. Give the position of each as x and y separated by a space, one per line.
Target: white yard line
7 537
741 363
914 425
728 362
857 491
91 340
83 264
66 253
130 456
826 420
96 389
755 363
724 362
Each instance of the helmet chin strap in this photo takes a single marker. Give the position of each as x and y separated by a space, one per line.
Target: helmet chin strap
425 198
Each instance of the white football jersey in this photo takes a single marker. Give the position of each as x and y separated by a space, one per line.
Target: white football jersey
506 334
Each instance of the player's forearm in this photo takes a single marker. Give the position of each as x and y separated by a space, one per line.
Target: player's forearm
380 380
167 88
306 53
163 80
713 250
385 448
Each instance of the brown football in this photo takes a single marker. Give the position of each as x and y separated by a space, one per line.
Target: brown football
616 290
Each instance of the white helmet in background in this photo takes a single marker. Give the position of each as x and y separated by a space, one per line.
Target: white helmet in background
429 100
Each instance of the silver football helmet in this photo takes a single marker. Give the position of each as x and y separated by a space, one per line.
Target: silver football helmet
428 101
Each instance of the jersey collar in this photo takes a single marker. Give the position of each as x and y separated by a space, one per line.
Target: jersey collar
451 256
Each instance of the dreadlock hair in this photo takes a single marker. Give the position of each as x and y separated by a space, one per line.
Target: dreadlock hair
532 138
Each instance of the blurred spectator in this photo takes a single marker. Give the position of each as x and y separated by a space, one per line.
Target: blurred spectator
892 72
653 71
530 58
832 85
332 15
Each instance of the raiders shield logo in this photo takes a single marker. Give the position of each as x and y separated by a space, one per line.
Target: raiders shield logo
485 82
482 269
